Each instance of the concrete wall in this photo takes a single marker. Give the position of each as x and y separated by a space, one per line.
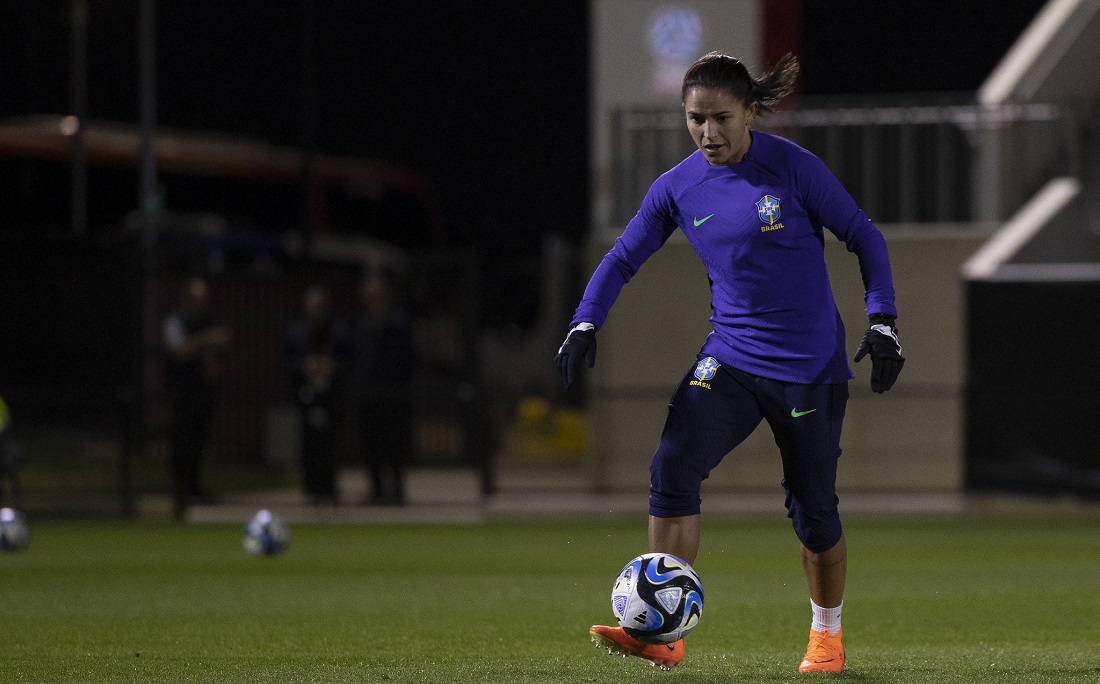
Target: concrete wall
908 440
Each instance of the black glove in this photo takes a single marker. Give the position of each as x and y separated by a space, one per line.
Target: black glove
580 342
881 342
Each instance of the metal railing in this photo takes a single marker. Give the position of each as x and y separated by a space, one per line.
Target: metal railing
912 163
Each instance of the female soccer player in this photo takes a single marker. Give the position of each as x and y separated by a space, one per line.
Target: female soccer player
754 207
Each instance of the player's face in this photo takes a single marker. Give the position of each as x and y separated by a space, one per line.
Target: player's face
719 124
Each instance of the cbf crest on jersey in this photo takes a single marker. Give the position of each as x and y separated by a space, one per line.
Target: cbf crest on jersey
767 207
705 369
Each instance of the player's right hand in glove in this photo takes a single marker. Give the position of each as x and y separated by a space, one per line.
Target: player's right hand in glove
881 342
579 343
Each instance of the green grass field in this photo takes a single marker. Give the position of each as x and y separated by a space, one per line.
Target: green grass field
933 600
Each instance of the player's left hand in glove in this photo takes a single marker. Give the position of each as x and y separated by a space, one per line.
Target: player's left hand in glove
881 342
580 342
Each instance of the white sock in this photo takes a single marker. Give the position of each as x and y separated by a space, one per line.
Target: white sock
826 618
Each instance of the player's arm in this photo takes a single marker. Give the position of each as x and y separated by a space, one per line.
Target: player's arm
830 204
881 342
579 344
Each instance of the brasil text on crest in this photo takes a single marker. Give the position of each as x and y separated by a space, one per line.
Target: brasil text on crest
767 208
704 371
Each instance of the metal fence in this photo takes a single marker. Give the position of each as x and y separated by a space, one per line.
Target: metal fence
912 162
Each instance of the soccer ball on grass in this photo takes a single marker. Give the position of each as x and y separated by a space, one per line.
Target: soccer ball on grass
266 534
658 598
14 533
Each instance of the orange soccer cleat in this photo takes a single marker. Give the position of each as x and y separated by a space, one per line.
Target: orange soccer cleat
825 653
615 640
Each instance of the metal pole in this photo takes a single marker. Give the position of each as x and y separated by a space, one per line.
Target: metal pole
143 305
872 199
150 195
945 173
309 123
907 173
986 179
79 18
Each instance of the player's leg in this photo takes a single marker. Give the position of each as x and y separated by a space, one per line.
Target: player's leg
807 421
826 573
178 455
203 420
372 432
678 535
711 412
190 421
401 438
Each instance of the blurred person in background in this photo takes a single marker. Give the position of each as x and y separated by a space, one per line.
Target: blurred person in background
194 349
385 359
317 355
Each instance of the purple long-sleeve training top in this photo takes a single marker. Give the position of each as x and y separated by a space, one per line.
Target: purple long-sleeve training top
758 226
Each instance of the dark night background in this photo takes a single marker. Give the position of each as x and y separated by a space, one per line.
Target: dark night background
489 99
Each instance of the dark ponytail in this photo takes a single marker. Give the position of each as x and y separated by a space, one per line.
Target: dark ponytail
719 70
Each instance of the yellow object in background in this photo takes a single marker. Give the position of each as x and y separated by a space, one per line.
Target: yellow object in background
570 432
546 433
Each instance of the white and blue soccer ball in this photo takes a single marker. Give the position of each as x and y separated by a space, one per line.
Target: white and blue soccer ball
15 535
657 598
266 534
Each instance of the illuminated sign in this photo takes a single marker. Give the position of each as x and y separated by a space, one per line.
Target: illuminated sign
675 37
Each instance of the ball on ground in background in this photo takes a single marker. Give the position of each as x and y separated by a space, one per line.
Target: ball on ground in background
15 535
658 598
266 534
